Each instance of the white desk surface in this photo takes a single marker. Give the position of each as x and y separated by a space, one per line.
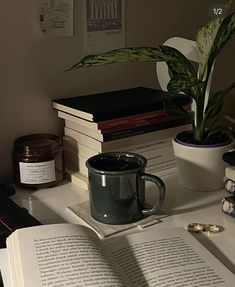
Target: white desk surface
182 205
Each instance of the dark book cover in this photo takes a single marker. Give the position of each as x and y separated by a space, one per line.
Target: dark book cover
116 104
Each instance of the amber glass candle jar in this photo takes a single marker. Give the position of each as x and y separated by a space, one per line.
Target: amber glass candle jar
37 161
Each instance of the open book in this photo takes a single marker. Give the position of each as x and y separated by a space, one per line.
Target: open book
72 255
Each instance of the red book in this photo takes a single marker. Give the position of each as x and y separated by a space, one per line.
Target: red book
131 121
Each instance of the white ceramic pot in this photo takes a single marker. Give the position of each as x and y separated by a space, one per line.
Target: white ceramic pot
201 167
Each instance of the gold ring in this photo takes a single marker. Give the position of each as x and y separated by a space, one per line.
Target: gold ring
196 227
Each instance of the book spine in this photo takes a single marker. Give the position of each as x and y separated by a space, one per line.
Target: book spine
80 180
84 130
230 172
161 166
133 125
75 162
70 143
133 120
118 123
85 151
77 120
72 111
115 124
77 178
155 155
137 120
83 139
158 125
119 135
159 155
133 129
123 143
150 145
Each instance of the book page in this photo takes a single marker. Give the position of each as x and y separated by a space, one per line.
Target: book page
167 258
5 269
60 255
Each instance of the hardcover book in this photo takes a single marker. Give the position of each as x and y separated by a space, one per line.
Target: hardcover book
114 134
128 130
118 123
116 104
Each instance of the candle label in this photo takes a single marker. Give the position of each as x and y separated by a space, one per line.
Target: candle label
37 173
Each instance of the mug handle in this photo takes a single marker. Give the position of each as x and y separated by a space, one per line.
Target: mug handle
161 189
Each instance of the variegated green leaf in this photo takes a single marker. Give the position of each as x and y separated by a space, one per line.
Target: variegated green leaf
182 83
215 103
181 65
140 54
211 39
189 85
224 34
204 39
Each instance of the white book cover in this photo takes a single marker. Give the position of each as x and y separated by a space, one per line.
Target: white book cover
84 130
76 147
75 162
73 145
77 178
124 143
230 172
77 120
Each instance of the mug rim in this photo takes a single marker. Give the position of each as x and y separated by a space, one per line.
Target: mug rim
115 154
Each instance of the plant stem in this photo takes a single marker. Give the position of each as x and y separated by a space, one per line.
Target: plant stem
199 115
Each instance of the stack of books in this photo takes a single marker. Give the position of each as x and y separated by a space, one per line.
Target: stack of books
228 203
132 120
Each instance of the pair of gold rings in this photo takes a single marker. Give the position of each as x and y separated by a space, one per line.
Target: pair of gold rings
202 227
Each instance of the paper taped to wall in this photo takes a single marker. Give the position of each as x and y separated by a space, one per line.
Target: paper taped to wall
103 25
55 17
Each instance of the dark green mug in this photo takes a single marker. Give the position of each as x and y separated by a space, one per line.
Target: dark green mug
117 187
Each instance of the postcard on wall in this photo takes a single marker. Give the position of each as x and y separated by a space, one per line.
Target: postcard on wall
103 25
56 17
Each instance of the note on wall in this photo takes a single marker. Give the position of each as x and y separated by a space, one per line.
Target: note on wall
56 17
103 25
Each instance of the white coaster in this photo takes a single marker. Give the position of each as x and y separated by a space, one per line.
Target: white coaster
82 210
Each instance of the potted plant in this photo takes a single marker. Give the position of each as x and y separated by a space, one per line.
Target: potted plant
207 137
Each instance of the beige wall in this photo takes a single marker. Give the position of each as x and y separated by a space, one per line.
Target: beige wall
31 64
